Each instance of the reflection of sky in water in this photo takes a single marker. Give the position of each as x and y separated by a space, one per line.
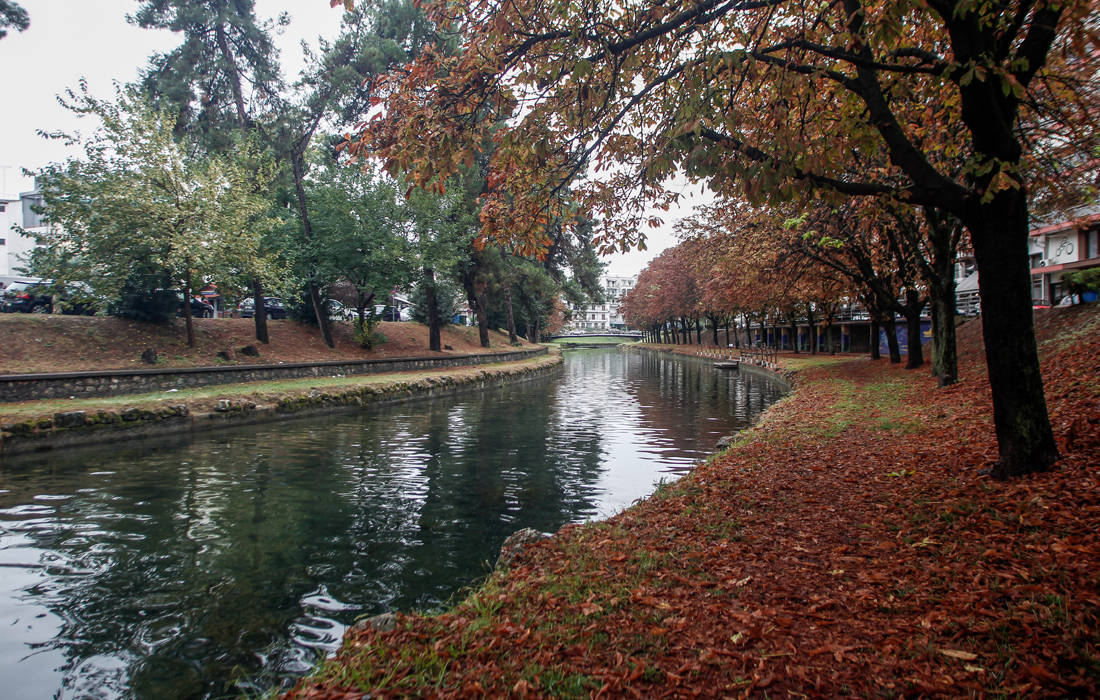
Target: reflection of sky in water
221 564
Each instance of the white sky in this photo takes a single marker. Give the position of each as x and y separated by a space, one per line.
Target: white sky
71 39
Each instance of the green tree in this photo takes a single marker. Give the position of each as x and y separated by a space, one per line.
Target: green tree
140 203
358 233
12 15
224 48
439 230
337 86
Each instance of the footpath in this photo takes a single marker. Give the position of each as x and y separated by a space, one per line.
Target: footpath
846 544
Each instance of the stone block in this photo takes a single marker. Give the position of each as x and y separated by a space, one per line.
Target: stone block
70 419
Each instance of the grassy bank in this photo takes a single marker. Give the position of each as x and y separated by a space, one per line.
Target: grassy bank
32 425
847 544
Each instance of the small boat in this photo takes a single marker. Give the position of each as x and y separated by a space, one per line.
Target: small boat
726 364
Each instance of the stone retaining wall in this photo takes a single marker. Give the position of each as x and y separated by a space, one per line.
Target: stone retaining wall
80 428
784 377
63 385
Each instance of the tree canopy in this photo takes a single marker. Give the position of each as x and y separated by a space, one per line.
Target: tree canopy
773 100
12 15
139 199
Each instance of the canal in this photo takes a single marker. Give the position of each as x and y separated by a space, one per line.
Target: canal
232 561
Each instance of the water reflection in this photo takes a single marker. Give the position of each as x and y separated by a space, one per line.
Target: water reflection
230 562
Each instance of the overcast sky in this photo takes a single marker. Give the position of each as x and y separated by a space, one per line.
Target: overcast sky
71 39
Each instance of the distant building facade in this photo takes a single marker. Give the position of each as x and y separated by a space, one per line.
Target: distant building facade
605 316
14 246
1071 243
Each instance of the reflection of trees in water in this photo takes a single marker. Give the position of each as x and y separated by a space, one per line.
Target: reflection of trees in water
688 394
199 557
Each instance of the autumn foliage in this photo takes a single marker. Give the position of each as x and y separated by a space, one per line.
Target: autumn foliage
848 545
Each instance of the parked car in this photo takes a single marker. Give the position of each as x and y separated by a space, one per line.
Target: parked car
390 313
272 305
38 298
199 308
337 311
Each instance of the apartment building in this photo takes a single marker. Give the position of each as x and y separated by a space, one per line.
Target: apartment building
14 246
605 316
1071 243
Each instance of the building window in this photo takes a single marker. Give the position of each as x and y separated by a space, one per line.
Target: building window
3 207
1092 243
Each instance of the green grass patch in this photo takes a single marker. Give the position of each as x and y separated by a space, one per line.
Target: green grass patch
244 389
797 363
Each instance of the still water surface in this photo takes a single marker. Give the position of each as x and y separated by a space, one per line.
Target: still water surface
232 561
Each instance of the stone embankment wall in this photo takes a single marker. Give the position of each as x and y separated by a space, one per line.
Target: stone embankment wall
79 428
63 385
784 377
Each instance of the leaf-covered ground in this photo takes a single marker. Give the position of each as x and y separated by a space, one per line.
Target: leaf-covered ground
56 343
847 545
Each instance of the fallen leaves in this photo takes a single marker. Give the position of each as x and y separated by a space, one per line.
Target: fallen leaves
842 581
959 654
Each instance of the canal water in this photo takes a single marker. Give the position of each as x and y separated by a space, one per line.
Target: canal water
232 561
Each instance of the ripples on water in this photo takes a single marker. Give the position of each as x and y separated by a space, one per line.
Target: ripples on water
198 568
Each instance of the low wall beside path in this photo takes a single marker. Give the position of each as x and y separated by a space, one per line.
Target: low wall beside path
113 382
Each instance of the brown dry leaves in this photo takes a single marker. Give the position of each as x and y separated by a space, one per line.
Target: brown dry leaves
827 556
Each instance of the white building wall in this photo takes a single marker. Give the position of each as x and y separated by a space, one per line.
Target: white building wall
604 317
11 215
14 252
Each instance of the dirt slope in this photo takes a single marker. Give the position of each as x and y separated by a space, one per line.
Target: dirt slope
34 343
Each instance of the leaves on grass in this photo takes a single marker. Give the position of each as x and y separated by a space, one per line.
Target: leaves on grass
800 563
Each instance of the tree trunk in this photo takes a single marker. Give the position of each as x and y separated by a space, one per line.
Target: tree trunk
187 311
876 329
435 344
482 321
813 331
476 300
307 232
698 331
234 75
999 232
913 306
945 358
714 330
361 304
511 318
685 330
892 338
259 315
794 334
535 332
